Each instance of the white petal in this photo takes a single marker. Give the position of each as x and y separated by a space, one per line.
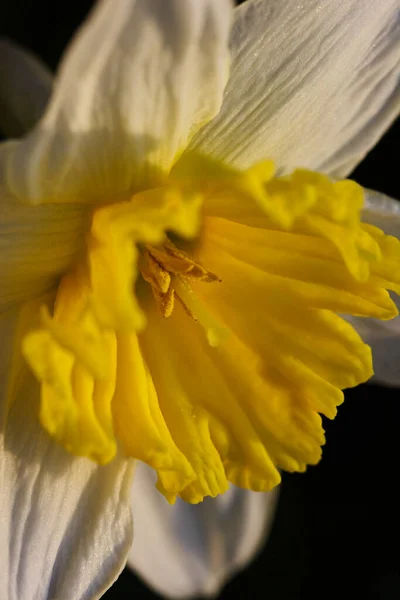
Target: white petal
185 551
382 211
65 523
313 84
382 336
37 244
25 87
139 80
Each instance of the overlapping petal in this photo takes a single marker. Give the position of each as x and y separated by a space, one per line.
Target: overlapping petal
186 551
140 78
65 523
383 336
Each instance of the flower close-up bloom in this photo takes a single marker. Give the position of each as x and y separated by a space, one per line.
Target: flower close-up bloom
184 267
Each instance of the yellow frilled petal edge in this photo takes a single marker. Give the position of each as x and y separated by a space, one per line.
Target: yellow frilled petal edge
202 334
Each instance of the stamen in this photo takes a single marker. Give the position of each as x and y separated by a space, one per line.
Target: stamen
159 280
179 263
157 264
154 273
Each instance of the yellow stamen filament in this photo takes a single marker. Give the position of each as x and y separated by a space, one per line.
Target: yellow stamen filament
168 270
216 333
159 280
176 261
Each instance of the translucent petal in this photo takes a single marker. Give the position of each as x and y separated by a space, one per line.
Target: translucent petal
313 84
383 336
37 244
186 551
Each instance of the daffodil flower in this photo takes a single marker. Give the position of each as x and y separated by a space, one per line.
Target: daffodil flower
173 270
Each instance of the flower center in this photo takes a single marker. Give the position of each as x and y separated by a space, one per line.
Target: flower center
167 268
280 257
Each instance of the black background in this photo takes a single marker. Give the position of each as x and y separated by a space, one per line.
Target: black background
336 532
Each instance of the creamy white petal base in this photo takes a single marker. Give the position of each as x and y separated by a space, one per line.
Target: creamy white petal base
188 551
37 244
25 87
382 336
140 78
65 523
313 84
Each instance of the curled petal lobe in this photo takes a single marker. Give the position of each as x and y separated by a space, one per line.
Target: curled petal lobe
136 402
75 361
75 352
113 254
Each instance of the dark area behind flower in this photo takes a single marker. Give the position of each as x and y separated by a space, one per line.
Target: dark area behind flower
337 527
